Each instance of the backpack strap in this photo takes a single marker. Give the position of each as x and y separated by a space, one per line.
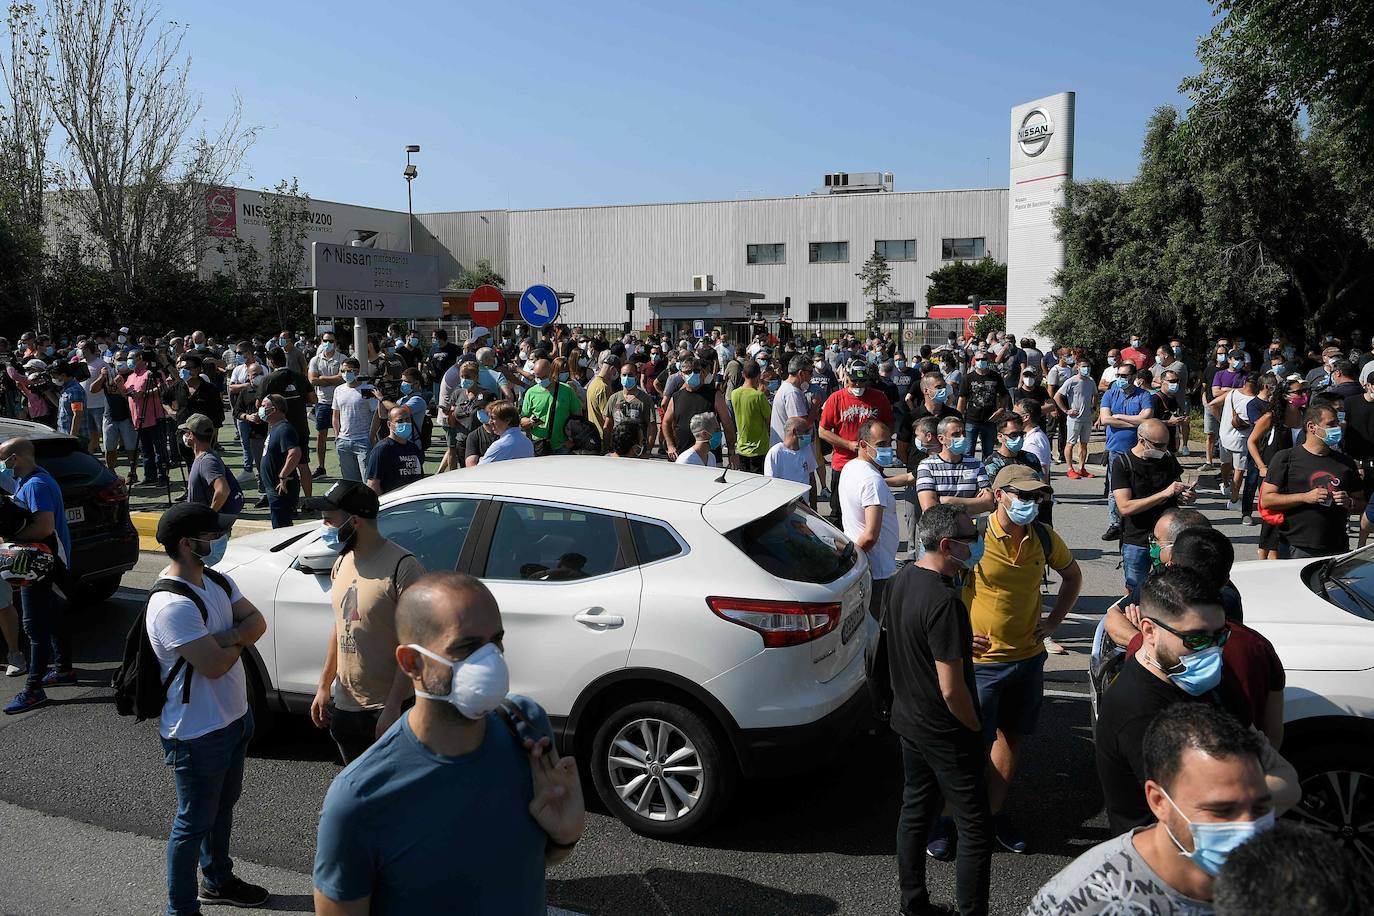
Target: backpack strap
181 589
1042 531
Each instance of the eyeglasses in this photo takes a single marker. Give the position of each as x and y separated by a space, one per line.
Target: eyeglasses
1196 642
1162 446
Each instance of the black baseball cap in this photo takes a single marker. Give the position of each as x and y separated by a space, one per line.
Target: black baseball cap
187 520
858 370
349 496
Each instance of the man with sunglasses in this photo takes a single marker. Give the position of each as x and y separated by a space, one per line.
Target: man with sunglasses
1183 629
1124 407
1145 484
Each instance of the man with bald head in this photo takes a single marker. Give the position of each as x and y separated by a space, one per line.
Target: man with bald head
546 408
464 802
398 459
1146 482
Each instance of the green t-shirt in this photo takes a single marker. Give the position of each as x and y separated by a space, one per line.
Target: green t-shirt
536 404
752 414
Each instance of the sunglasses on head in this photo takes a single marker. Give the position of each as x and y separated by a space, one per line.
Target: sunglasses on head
1196 642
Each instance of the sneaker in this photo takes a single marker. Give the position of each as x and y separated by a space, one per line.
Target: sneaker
823 494
1072 474
1054 648
1007 835
235 892
55 678
17 664
1185 451
1086 474
1225 490
940 844
28 698
1232 505
318 472
1247 520
1112 534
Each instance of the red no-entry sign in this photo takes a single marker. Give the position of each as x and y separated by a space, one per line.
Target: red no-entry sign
487 305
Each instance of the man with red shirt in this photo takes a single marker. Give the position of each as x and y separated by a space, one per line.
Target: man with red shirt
1138 354
844 412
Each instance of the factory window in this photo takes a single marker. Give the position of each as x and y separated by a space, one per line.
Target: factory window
828 252
962 249
771 253
896 249
828 311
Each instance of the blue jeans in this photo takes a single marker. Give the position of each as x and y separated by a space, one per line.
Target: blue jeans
246 439
985 433
353 458
1112 514
152 445
283 508
1250 489
42 618
209 776
1135 565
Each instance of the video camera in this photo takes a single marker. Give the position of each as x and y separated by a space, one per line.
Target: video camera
388 388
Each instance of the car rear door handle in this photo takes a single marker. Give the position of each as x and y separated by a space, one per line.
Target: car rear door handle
599 621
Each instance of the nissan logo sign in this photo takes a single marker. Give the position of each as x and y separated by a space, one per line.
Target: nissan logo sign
1036 130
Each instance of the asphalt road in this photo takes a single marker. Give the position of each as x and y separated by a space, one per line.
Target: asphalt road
820 843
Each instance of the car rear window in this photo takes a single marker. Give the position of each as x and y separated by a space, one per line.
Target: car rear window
68 465
792 542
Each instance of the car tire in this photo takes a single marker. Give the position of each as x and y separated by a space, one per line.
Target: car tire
264 719
675 796
97 591
1337 780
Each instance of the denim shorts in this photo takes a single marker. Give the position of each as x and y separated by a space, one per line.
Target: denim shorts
324 417
1010 694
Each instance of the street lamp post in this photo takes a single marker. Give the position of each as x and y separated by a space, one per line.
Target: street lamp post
410 174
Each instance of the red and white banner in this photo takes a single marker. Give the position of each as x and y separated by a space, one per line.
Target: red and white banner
220 212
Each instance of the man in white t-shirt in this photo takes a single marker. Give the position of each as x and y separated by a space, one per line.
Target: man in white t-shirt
868 508
96 380
199 625
1235 425
793 458
323 373
356 418
790 399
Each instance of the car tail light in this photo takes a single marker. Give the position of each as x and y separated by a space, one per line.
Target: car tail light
114 493
780 623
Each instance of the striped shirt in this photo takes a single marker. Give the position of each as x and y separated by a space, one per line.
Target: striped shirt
951 478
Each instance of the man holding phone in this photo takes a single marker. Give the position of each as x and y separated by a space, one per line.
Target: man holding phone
1147 481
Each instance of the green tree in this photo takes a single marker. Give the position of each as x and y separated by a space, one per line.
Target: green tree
268 281
876 277
990 322
482 273
956 281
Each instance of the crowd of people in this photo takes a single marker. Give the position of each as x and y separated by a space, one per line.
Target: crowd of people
955 443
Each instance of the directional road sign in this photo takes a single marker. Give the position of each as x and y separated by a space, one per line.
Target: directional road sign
337 303
372 270
487 305
698 328
539 306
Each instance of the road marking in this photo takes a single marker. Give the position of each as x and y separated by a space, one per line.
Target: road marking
1064 694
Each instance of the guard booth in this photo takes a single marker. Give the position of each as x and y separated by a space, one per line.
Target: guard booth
694 313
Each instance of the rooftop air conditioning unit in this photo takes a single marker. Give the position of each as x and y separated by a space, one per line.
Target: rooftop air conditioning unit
703 282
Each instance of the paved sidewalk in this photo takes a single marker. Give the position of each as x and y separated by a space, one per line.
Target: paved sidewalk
118 872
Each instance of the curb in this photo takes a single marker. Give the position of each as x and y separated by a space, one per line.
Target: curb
145 523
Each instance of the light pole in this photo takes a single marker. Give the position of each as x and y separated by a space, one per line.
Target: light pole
410 174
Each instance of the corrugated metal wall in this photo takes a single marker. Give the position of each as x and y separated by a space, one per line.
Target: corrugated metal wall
461 239
601 253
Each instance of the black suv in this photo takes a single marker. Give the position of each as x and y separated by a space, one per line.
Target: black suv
104 542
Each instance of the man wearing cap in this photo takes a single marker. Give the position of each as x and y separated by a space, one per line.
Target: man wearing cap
361 690
599 392
398 459
845 411
1003 598
209 482
199 625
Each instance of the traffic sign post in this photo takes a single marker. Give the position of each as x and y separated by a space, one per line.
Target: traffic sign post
487 306
372 270
539 306
337 303
698 328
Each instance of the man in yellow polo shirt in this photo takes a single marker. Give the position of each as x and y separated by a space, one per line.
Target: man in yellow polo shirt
1003 598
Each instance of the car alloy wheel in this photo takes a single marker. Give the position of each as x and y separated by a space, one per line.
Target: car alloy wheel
655 770
1340 803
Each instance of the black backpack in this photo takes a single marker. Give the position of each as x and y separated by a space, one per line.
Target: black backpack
140 690
582 436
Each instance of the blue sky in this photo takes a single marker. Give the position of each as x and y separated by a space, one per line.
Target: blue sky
537 104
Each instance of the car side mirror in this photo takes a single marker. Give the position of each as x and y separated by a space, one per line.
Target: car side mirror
317 559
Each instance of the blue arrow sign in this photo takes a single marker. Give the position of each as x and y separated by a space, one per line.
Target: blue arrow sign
539 306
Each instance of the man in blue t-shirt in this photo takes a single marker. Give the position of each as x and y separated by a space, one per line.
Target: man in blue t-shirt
42 610
282 455
1124 407
450 811
71 398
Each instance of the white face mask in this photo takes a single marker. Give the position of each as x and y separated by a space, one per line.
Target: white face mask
479 682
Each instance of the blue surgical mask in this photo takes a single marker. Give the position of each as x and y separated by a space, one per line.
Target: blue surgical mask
1340 416
327 347
899 363
1332 436
884 456
48 351
239 359
975 554
128 364
1111 360
407 388
1201 671
483 417
1171 388
185 374
941 395
1119 383
465 383
716 438
350 377
958 446
1085 371
694 380
803 443
262 414
1014 443
773 385
404 431
562 376
628 382
7 476
1023 511
921 446
981 364
415 343
1177 350
1214 843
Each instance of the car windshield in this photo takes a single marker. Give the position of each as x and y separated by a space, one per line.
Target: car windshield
792 542
1348 582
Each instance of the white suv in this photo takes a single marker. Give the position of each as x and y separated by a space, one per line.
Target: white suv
682 626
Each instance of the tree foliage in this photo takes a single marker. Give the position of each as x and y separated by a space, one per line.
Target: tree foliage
267 282
482 273
990 322
956 281
876 277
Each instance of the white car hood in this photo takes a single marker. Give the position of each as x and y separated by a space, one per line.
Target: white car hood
1308 632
